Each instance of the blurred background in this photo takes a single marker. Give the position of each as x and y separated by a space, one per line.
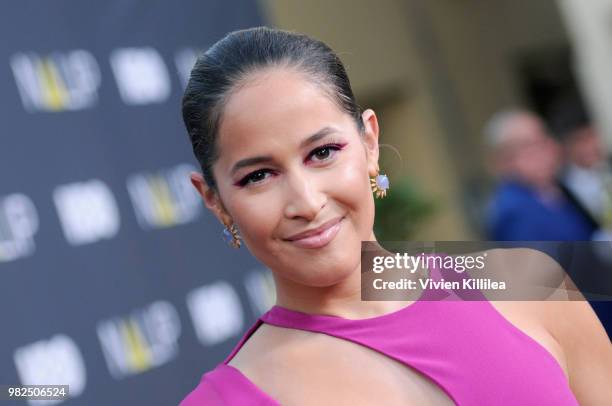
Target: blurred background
113 279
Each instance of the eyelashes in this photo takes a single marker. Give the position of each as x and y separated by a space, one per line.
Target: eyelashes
253 177
330 150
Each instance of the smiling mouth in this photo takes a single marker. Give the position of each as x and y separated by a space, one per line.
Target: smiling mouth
319 237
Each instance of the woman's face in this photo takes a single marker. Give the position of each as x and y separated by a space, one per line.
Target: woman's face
290 160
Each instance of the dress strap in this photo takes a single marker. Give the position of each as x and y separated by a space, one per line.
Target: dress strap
244 339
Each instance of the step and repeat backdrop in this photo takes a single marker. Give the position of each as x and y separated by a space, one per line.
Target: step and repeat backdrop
114 278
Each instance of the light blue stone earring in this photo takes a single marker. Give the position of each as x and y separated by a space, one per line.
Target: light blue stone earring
231 236
380 184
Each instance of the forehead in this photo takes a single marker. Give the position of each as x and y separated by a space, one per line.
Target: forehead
275 107
525 127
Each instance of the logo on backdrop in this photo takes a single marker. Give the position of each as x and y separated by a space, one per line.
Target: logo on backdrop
164 198
141 75
261 292
216 312
143 340
56 361
87 211
18 224
61 81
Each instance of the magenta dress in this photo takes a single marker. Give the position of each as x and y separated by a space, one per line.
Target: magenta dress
469 349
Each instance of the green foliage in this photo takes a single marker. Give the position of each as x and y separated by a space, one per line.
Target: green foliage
401 212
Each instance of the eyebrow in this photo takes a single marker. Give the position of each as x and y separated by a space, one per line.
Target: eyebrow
323 132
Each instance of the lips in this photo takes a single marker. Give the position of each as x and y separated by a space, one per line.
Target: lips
315 231
317 237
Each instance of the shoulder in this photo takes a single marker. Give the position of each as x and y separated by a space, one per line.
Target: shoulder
508 199
569 322
534 274
587 348
270 361
524 269
510 192
272 349
226 386
253 371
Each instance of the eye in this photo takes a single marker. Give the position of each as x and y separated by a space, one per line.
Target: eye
254 177
325 152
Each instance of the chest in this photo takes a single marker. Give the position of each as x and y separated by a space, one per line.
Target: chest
474 359
333 371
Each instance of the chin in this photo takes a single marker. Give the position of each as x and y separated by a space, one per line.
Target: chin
333 272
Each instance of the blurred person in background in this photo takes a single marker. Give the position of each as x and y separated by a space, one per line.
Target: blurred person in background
586 179
534 202
586 176
528 203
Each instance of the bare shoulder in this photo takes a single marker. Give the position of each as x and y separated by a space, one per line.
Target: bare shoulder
587 348
525 266
566 326
269 359
270 344
530 317
572 334
271 351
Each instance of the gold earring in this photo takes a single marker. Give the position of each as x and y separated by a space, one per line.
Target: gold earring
231 236
379 185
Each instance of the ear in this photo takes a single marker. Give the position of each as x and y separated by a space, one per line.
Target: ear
210 197
370 140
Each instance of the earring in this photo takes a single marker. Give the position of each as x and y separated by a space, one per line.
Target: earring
231 236
380 184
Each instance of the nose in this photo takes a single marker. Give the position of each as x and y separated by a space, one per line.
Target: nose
303 196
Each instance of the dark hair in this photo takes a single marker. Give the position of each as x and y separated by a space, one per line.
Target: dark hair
569 115
221 68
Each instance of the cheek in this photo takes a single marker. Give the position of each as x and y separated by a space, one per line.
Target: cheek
351 188
255 223
351 179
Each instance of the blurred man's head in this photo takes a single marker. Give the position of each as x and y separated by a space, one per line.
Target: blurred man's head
522 148
584 147
581 142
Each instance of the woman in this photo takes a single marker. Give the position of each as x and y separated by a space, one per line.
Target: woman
287 157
